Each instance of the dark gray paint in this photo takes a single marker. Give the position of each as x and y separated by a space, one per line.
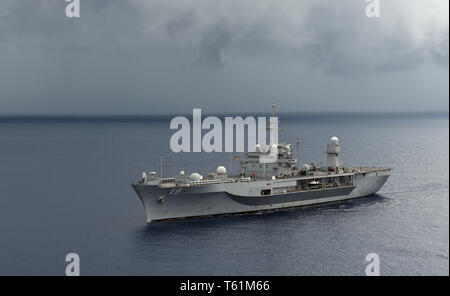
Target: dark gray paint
291 197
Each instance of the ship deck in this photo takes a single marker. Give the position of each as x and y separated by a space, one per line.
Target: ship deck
348 171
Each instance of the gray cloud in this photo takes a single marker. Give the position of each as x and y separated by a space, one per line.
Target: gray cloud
136 56
213 45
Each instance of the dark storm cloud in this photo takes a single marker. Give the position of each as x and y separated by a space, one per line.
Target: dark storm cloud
214 42
333 35
359 44
137 55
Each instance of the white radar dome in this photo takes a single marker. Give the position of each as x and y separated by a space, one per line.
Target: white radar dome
221 170
195 177
334 140
305 167
258 148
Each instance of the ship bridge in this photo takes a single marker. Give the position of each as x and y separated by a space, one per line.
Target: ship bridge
253 164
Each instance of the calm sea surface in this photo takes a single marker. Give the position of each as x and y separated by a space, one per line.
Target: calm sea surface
65 187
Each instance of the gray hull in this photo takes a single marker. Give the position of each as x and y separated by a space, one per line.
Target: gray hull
230 198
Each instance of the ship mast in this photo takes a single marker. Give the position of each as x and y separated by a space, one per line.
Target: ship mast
270 127
298 142
161 166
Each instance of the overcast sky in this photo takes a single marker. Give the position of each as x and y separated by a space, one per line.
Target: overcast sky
169 56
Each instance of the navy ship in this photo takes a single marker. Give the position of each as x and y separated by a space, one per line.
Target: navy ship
258 186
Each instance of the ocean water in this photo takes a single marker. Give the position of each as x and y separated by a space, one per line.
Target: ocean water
65 187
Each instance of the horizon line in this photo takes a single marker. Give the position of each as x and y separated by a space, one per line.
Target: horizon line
31 115
285 116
